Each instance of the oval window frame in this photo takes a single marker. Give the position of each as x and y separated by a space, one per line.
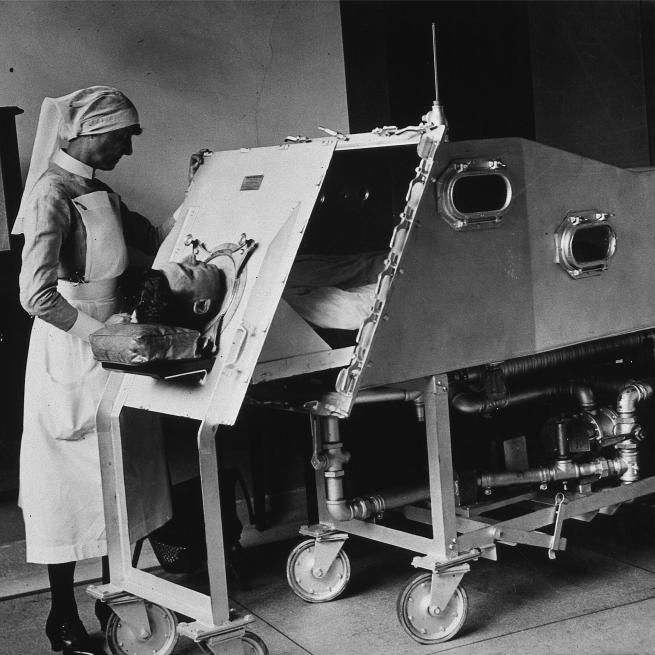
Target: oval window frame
459 169
574 222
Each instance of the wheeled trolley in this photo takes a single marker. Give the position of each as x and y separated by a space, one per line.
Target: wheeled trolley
509 308
250 208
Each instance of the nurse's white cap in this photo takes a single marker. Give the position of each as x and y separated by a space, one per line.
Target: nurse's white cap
94 110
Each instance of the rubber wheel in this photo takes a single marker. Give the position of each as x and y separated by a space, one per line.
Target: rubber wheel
306 584
163 624
419 623
253 645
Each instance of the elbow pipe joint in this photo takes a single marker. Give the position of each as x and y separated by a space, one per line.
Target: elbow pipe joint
583 395
626 408
632 394
339 510
357 508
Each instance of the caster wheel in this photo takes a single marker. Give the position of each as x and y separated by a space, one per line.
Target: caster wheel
163 624
306 584
419 623
253 645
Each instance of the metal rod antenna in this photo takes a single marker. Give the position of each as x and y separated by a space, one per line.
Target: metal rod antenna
436 115
434 62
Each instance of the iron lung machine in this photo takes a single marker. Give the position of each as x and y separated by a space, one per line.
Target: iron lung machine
512 314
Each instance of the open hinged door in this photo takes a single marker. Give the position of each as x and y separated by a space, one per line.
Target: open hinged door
266 196
378 350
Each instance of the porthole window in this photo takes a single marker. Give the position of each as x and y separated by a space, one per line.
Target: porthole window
585 242
474 194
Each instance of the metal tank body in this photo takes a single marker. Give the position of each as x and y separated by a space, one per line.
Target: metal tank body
494 290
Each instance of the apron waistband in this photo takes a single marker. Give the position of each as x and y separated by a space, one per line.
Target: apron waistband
88 291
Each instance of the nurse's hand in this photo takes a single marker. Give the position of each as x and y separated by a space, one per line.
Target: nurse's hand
197 159
117 319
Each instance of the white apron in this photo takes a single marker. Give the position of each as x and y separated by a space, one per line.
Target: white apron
60 485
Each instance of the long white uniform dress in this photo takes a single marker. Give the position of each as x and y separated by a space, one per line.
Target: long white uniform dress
75 249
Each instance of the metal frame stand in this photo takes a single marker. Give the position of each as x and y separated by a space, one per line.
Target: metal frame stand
432 607
216 628
330 535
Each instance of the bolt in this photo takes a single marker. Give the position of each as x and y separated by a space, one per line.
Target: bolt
423 631
145 634
318 573
487 492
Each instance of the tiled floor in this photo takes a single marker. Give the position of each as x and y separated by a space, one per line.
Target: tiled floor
597 598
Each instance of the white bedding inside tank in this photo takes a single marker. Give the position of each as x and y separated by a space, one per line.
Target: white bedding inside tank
334 291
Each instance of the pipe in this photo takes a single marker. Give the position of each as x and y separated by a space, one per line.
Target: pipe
627 426
385 395
332 460
364 507
562 470
585 352
469 402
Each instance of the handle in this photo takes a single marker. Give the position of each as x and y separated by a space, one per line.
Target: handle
238 345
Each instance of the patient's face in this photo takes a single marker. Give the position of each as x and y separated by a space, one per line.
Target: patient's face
194 282
199 285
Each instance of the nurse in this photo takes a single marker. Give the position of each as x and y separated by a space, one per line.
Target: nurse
77 233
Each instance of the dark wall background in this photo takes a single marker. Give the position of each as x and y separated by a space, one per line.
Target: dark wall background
575 75
483 64
14 322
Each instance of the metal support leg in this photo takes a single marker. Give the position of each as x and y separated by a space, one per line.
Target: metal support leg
440 463
113 480
213 523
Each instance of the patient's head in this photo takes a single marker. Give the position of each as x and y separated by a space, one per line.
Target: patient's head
183 294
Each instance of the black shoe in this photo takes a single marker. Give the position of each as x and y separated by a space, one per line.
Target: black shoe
103 613
69 636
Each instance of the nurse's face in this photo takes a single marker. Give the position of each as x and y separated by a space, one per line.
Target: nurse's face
108 148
